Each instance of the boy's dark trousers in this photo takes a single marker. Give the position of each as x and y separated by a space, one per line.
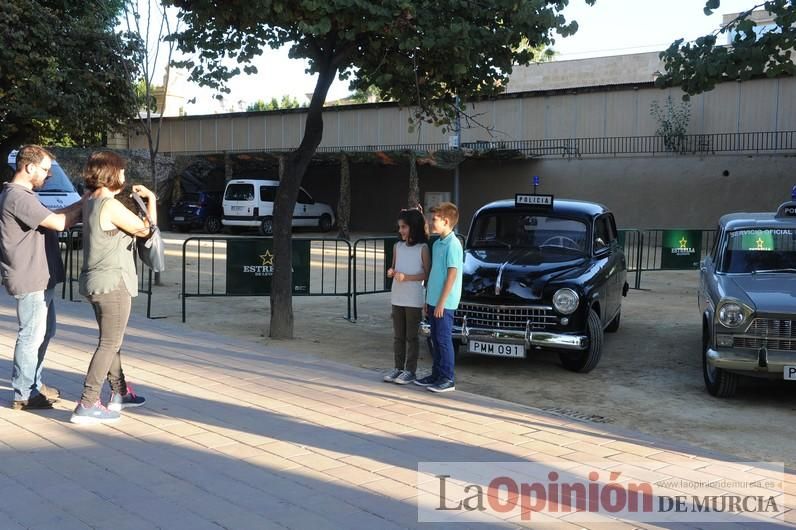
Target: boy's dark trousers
442 353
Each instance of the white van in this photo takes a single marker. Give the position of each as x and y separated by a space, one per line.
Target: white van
250 203
57 192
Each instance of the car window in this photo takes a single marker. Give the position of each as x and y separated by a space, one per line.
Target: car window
267 193
714 252
522 230
240 192
612 227
602 233
759 249
303 198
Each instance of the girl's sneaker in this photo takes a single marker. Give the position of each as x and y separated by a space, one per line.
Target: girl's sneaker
405 378
130 399
96 413
393 375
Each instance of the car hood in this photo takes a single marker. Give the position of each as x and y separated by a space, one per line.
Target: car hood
768 293
522 273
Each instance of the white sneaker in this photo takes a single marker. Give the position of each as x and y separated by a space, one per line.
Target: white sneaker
393 375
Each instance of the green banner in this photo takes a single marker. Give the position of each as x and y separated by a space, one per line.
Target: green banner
682 249
250 266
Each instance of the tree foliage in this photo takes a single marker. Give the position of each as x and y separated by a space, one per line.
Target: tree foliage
697 66
421 54
62 72
287 102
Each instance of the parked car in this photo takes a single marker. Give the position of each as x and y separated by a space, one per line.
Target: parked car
58 191
747 299
201 209
541 274
250 203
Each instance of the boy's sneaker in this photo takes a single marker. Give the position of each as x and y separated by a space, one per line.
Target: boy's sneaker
96 413
426 381
393 375
443 385
405 378
37 402
130 399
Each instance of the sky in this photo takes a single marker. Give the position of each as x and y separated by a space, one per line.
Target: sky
610 27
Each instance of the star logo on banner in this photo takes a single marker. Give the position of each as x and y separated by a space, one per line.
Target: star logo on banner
683 242
268 258
760 243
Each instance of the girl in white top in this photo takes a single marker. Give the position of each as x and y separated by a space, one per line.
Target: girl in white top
410 267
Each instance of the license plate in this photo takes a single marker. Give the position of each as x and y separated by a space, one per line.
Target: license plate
238 208
790 373
496 348
179 218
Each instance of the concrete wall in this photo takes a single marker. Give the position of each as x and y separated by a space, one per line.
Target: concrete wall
666 192
590 112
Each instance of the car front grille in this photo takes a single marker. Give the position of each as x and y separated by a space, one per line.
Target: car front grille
504 317
774 334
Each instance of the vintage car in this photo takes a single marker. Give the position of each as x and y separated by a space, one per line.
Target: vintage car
747 298
541 273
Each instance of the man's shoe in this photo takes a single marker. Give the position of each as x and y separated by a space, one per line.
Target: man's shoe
426 381
444 385
130 399
392 376
50 392
405 378
37 402
96 413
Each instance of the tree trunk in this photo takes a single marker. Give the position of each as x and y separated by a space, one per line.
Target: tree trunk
344 204
414 184
295 166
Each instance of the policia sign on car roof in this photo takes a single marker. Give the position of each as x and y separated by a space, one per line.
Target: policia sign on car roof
532 199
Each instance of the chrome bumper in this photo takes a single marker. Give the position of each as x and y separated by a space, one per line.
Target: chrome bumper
749 360
529 338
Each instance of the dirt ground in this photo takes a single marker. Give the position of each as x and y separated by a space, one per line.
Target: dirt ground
649 378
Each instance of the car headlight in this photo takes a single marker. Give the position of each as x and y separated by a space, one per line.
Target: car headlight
732 314
565 301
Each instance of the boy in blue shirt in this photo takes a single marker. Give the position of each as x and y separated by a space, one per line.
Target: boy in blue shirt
443 291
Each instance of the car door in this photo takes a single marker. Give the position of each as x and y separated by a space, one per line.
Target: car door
619 262
607 259
302 212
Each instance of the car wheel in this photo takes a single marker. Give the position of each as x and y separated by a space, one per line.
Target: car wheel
213 225
720 383
585 361
267 226
613 327
325 223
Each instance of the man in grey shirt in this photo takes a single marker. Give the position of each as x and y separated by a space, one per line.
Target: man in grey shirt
30 267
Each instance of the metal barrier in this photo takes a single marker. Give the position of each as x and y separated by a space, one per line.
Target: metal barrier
373 256
322 267
73 262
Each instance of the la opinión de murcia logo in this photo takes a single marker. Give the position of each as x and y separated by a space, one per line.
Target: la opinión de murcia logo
476 491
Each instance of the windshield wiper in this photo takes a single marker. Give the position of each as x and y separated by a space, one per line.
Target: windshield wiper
766 271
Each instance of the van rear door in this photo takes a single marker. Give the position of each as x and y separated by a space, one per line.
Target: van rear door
239 200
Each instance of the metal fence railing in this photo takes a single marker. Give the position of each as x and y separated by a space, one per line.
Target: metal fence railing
219 266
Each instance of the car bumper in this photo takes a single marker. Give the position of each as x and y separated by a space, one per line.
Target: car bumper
760 362
530 339
239 222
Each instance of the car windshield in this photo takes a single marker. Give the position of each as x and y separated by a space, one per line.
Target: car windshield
240 192
532 231
57 182
760 250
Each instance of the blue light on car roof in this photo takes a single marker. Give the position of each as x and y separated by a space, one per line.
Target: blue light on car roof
793 193
536 181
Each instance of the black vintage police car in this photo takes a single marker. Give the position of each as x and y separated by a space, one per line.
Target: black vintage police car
747 299
541 273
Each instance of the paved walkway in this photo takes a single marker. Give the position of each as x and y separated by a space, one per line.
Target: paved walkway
238 436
